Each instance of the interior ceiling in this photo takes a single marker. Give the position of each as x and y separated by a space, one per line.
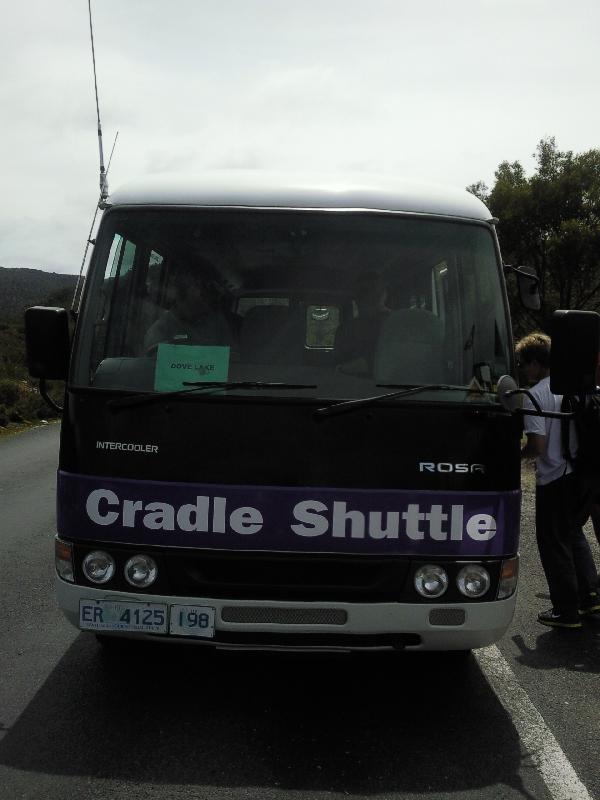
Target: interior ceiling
297 248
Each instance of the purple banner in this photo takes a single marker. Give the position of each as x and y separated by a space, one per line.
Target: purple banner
288 519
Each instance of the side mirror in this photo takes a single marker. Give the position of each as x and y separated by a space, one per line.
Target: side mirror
47 342
529 288
574 354
507 393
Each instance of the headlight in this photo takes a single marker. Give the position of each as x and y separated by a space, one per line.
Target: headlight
431 581
141 571
98 567
473 580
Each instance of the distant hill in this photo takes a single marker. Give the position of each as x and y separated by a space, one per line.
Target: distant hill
21 288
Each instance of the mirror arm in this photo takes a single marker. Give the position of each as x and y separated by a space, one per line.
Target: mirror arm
550 414
518 271
536 411
47 398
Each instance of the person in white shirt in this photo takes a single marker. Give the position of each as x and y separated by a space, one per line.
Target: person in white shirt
564 551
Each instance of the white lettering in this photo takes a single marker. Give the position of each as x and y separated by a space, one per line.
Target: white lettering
129 509
308 515
456 524
412 518
446 466
194 517
481 527
219 507
246 520
341 516
92 506
436 522
436 518
376 531
159 517
127 447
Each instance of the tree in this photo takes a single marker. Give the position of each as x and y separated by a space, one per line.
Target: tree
550 221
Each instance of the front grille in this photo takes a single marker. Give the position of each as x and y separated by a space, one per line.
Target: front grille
447 616
284 616
287 577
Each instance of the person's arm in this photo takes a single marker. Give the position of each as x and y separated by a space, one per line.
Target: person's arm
535 447
535 431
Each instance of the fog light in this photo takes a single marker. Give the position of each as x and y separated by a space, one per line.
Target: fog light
431 580
98 567
509 575
141 571
473 580
63 559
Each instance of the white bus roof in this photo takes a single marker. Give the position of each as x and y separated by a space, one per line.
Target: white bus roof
252 189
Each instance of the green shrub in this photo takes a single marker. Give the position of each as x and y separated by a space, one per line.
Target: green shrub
10 392
20 401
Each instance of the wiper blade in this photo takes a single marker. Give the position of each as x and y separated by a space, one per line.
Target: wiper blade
249 385
201 387
403 391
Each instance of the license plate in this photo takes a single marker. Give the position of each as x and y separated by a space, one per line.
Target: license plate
192 621
106 615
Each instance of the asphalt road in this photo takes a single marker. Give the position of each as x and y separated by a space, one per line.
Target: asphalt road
518 721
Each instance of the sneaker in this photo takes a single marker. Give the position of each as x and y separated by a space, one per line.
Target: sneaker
591 605
554 619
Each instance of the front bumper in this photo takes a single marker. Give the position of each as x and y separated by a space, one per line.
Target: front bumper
357 626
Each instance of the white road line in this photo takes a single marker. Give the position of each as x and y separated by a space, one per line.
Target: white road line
545 752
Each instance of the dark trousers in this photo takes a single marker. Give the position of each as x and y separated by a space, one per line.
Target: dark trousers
564 551
595 515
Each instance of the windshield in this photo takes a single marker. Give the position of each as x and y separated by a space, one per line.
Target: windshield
335 304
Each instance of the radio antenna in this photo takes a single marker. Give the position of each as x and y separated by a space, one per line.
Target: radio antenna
103 179
89 239
103 175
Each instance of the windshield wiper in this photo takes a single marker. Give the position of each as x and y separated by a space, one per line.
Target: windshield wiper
403 391
201 387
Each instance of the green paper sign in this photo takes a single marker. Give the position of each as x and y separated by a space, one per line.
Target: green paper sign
177 364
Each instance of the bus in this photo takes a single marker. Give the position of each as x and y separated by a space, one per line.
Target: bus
282 426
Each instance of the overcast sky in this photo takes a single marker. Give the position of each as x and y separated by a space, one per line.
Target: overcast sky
433 90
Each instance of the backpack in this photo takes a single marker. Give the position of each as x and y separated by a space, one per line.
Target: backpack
586 416
586 464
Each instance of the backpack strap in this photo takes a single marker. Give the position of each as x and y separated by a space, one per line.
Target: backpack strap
566 406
